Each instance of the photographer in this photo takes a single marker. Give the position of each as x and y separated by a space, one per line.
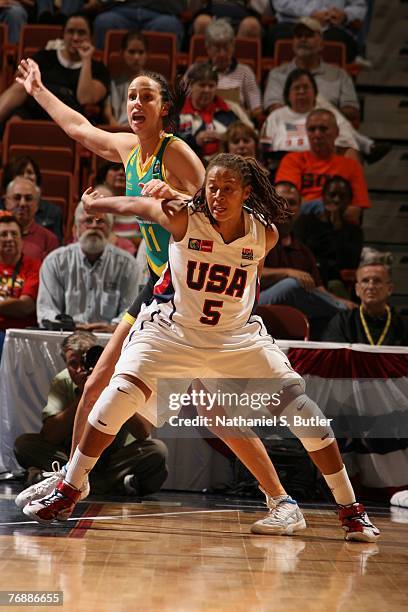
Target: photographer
135 464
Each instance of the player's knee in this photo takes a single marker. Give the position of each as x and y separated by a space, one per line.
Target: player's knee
117 403
308 423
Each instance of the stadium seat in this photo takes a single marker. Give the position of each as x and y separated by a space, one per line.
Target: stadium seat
284 322
34 37
7 58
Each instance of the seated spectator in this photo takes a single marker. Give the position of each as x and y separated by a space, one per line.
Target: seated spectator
333 83
335 87
18 278
112 176
134 54
309 170
205 116
156 15
69 72
115 239
285 127
90 280
133 464
375 322
339 21
243 18
22 200
292 270
335 243
48 215
236 82
14 15
241 139
57 11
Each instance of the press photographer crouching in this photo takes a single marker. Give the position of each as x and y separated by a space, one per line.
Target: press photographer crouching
133 464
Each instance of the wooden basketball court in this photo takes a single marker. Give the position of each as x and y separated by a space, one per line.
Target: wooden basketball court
194 553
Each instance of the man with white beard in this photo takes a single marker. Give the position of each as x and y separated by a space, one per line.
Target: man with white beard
91 280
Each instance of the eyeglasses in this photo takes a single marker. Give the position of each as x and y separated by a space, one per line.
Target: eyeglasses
17 197
89 221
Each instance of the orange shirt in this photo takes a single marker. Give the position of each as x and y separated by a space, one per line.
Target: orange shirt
309 174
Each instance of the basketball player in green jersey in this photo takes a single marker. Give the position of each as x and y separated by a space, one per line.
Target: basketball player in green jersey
148 154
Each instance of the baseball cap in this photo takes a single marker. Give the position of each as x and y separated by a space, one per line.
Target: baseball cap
310 23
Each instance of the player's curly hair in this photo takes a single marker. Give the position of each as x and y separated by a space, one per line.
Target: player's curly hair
263 201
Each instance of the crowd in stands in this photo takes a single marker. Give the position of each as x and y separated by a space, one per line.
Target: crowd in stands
300 121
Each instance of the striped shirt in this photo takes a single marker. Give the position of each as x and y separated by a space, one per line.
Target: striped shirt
242 79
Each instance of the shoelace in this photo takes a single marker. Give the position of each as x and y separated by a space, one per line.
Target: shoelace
55 469
279 511
54 496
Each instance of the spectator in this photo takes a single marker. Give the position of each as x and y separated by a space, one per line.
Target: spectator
309 170
236 81
134 55
69 72
335 243
22 200
241 139
57 11
14 15
333 83
292 270
18 278
134 464
156 15
90 280
115 239
375 322
340 20
244 19
112 176
335 87
285 127
205 116
48 215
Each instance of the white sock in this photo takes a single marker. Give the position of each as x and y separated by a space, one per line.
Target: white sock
78 468
341 487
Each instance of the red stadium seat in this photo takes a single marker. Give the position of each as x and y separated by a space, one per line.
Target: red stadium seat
284 322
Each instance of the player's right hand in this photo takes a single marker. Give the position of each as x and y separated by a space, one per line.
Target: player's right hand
29 75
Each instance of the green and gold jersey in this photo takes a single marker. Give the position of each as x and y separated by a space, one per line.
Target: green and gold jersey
156 238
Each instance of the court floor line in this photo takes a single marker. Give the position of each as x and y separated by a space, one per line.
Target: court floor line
110 517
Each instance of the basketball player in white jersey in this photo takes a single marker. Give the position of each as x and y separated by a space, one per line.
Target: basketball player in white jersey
201 319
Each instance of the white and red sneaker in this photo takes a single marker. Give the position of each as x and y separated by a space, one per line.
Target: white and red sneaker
356 524
55 507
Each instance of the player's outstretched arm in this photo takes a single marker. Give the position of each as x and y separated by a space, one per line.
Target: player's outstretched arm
168 214
111 146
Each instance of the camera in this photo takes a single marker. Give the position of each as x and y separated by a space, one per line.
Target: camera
90 358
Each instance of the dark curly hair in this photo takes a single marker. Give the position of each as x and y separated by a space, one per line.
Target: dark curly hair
263 201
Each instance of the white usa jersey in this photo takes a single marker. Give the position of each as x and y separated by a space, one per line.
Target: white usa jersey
209 284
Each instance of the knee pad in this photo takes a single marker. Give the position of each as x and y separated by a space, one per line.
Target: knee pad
308 423
116 404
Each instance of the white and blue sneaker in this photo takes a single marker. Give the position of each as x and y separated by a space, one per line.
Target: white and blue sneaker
284 517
